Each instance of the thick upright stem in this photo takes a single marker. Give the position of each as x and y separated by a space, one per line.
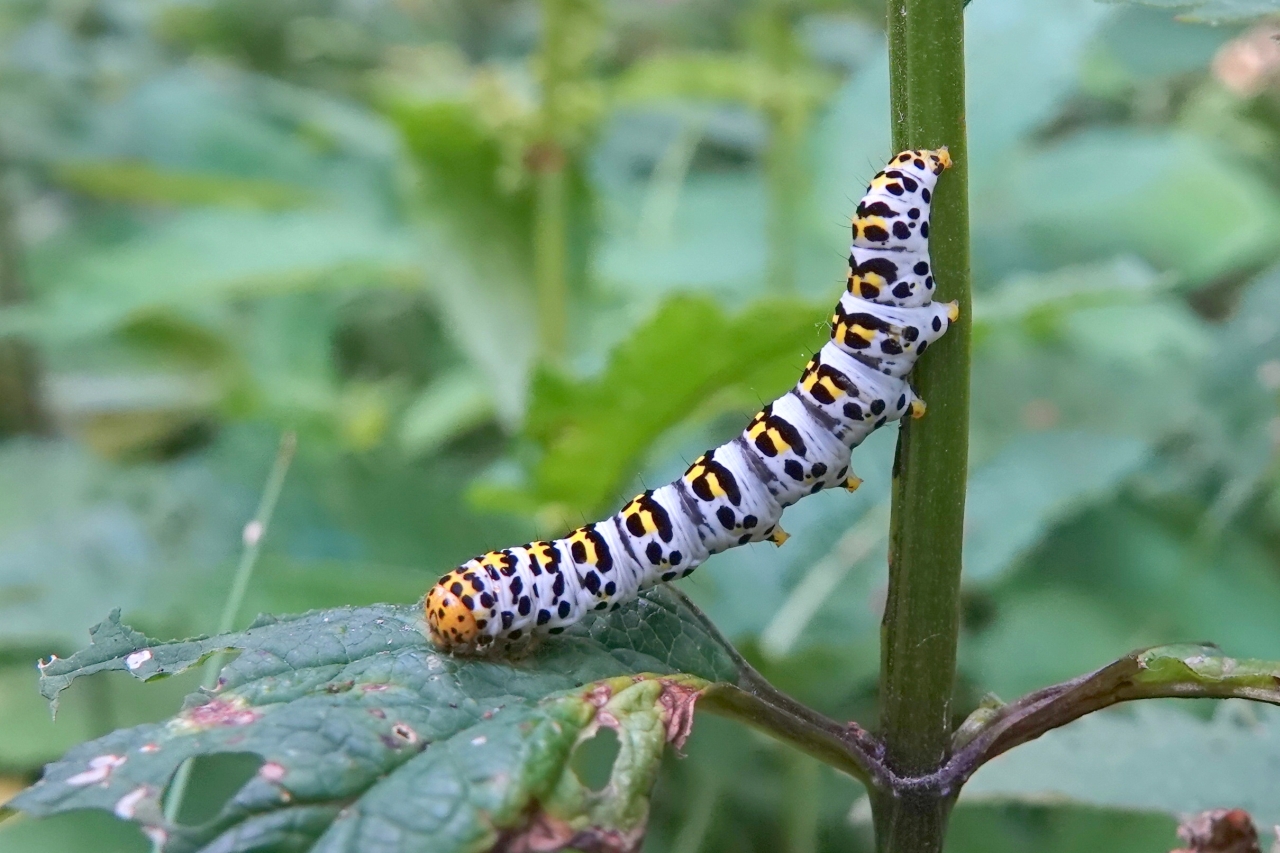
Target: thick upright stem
921 620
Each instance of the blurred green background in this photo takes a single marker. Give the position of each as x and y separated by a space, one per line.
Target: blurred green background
501 262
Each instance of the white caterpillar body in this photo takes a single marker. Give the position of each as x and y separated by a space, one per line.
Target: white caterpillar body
735 494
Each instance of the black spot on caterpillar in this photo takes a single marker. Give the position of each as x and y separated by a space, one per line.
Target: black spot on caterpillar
795 446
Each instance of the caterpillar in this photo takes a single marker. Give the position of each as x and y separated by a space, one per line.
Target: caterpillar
734 494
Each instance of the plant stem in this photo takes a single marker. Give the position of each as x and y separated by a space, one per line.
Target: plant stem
550 236
571 32
22 410
803 793
699 816
785 175
921 620
254 532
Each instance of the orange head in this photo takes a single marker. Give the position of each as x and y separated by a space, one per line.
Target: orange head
450 623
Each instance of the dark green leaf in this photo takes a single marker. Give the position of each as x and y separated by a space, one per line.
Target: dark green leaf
353 710
593 433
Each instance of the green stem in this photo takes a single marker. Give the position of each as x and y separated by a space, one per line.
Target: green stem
785 174
921 620
571 31
22 410
802 793
791 723
699 816
550 258
254 532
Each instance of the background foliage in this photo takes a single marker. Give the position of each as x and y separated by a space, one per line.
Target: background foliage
223 219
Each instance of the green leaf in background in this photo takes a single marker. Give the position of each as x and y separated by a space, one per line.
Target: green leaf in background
460 160
1181 203
1213 11
371 740
1041 301
978 827
593 433
476 229
202 257
1033 484
1122 366
449 406
740 78
1119 577
142 183
77 531
1151 757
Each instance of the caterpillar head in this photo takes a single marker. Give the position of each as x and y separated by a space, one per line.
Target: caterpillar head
924 159
450 622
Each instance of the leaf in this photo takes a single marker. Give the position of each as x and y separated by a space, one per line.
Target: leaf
1032 484
478 234
1149 757
204 257
373 741
741 78
75 531
1116 578
1130 367
978 827
29 737
1212 11
142 183
1171 198
97 831
1022 61
1039 299
594 432
448 407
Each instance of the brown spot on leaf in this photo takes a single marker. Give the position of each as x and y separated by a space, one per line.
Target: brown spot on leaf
543 833
1219 831
598 696
677 701
215 713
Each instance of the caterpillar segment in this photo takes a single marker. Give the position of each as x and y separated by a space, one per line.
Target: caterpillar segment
735 494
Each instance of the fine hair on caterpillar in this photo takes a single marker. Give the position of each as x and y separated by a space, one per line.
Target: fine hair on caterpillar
734 494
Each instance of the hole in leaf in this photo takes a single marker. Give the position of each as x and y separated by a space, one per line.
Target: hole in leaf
594 759
215 779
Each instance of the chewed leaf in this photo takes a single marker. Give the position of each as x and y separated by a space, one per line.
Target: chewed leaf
518 788
372 740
